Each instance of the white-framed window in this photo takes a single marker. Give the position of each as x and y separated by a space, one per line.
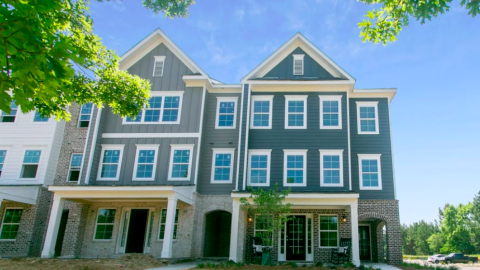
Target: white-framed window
298 64
295 168
370 171
104 225
75 167
10 224
165 108
259 167
31 161
3 155
367 117
330 112
85 115
39 118
260 229
261 112
110 162
226 113
331 168
180 162
145 162
158 65
296 112
328 231
222 165
9 117
163 220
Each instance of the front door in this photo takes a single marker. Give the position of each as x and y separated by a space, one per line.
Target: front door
136 231
296 239
364 236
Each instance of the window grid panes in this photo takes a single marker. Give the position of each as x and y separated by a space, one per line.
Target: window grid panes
222 170
163 109
330 113
145 163
85 114
30 163
39 118
296 111
262 223
295 164
163 221
331 169
75 165
370 172
11 224
328 231
3 154
181 163
226 114
258 169
105 221
152 113
110 163
158 68
9 117
261 113
367 119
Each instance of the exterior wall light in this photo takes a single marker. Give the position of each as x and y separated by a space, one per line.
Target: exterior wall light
344 219
250 219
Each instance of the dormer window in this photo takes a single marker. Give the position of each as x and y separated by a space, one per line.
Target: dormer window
298 64
158 66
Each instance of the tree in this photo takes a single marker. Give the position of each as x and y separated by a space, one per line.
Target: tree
455 228
382 25
436 241
171 8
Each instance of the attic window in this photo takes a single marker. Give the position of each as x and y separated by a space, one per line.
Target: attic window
158 66
298 64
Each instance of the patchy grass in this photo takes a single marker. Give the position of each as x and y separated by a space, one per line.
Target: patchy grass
282 266
414 266
129 262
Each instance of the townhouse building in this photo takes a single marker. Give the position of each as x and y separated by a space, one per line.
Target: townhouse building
168 182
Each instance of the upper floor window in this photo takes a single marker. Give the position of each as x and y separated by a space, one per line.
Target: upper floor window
367 117
10 224
331 168
296 112
226 112
165 108
110 162
75 166
9 117
180 162
295 168
39 118
31 160
104 226
222 166
259 167
145 162
163 221
158 66
261 112
298 64
330 112
85 115
370 171
3 154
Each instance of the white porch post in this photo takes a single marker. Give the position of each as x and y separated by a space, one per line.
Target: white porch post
234 230
355 243
169 226
53 224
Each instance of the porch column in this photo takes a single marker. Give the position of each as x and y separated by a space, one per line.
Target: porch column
53 224
234 230
355 244
169 226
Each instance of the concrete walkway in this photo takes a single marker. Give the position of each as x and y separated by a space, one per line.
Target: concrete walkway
382 266
177 266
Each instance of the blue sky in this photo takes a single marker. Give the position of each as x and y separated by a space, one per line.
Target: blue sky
436 68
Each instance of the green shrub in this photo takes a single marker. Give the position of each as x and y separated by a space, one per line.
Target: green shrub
349 265
292 264
200 265
318 264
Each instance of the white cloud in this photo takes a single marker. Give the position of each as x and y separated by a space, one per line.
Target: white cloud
240 13
219 55
119 6
206 25
295 23
255 8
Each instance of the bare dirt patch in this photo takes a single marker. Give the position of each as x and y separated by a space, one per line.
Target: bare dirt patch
129 262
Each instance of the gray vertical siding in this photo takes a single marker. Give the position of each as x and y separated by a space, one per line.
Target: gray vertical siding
243 135
311 69
313 138
373 144
216 138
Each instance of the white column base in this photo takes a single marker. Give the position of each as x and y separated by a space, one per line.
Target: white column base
53 225
169 226
234 230
355 239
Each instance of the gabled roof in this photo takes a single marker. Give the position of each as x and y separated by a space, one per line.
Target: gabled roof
156 38
298 40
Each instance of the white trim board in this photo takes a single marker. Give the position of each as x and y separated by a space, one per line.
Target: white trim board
149 135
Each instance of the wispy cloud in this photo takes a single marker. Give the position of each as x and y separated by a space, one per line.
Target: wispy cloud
240 13
218 54
206 25
295 23
254 8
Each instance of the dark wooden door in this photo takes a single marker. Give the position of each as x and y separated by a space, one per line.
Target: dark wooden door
296 239
136 231
364 237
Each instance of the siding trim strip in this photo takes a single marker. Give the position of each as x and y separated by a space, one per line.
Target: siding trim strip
92 146
150 135
239 138
200 132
